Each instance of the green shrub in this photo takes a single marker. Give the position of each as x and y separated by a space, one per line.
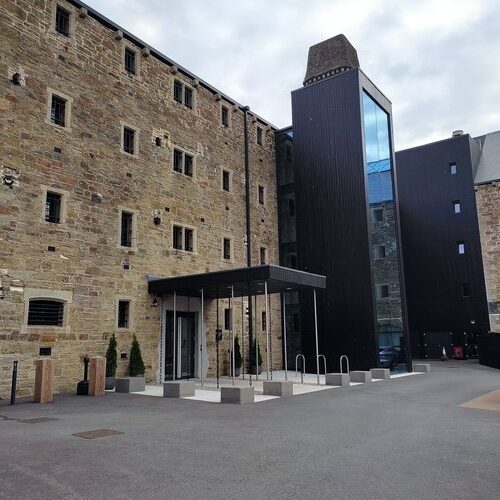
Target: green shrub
136 364
111 357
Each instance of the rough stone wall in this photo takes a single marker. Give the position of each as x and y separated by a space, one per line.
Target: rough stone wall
488 208
88 262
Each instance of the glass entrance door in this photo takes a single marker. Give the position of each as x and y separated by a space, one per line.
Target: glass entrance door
184 345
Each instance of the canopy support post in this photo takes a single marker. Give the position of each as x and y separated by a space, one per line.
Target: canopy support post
174 374
284 333
316 335
267 329
201 334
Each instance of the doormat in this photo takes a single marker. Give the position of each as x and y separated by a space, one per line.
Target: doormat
98 433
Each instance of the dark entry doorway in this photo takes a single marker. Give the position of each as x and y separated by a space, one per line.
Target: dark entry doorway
184 345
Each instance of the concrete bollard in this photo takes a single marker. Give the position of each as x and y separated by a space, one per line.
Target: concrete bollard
44 381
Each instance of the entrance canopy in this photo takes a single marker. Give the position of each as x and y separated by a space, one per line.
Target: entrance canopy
244 281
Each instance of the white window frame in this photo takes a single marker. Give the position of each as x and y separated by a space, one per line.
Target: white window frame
67 109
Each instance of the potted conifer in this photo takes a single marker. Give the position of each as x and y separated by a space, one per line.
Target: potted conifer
252 359
111 362
237 357
135 382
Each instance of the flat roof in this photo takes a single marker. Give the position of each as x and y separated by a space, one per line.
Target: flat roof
245 280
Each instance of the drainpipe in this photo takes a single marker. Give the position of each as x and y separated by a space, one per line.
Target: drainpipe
245 110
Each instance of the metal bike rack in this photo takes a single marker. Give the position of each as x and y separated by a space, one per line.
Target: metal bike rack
347 363
303 367
324 362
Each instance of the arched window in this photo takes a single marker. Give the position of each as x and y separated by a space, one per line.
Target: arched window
46 312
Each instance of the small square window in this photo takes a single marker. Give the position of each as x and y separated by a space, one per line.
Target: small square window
226 180
262 192
465 290
62 21
263 321
457 207
226 249
188 97
263 256
225 116
126 229
123 313
382 291
461 247
259 136
178 91
130 61
453 168
129 140
177 237
188 165
380 252
53 207
188 240
227 318
377 215
178 160
58 111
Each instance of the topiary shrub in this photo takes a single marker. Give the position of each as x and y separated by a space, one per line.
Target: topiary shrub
252 357
237 353
136 364
111 357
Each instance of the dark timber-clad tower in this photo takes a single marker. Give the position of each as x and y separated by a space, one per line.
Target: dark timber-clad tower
347 222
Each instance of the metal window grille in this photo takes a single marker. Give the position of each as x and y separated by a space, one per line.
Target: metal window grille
188 165
128 140
53 207
62 21
178 91
259 136
130 61
225 180
178 157
126 229
177 237
188 97
123 313
188 240
42 312
225 116
227 249
58 111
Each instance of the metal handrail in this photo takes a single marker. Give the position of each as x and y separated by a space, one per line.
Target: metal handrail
303 367
324 362
347 363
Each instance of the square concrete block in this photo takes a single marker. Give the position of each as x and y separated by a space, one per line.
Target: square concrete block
178 389
341 379
422 367
238 395
130 384
282 389
383 373
361 376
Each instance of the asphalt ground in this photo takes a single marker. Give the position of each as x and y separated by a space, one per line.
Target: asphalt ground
406 438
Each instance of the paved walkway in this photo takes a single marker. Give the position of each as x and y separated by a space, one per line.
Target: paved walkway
408 437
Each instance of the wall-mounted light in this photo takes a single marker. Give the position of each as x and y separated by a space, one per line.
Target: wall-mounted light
156 217
155 302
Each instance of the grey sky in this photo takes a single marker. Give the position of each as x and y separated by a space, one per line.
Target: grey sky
438 61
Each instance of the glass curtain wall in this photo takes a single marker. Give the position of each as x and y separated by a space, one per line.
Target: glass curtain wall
383 235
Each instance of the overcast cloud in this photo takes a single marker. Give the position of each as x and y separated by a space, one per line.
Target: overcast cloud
438 61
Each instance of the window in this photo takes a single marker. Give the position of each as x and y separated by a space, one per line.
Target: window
291 207
126 229
456 207
183 94
263 321
226 180
262 194
58 111
382 291
130 61
226 249
465 290
377 215
227 318
263 255
123 313
225 116
62 21
183 238
183 162
177 237
461 247
453 168
129 140
45 312
53 207
259 136
380 252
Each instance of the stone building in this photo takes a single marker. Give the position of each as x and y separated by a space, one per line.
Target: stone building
116 164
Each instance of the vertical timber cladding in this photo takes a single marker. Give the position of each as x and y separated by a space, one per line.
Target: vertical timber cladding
332 228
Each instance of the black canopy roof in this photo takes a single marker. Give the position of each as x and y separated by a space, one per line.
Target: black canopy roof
246 281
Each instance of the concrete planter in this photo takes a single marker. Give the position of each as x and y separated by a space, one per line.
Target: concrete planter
361 376
237 395
178 389
341 379
381 373
422 367
282 389
130 384
110 383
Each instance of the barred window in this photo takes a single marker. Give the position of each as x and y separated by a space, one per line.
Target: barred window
188 240
62 21
127 228
178 157
45 312
188 165
53 207
123 313
130 63
226 180
262 192
259 136
188 97
263 255
178 91
129 140
225 116
226 249
177 237
58 111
